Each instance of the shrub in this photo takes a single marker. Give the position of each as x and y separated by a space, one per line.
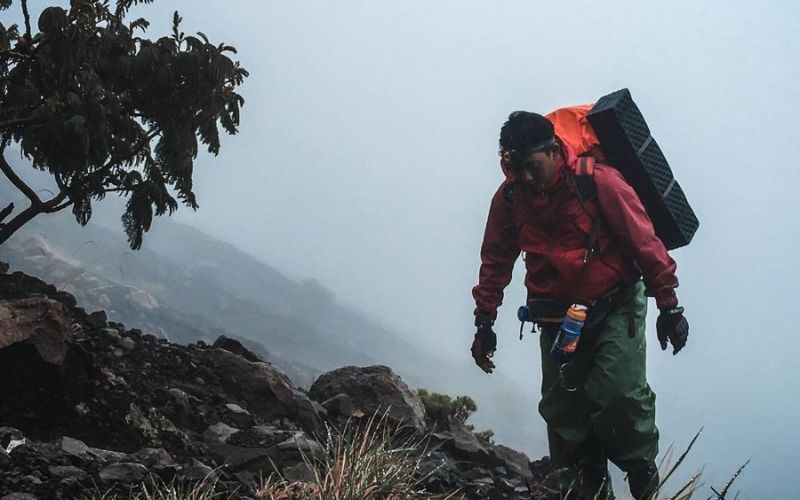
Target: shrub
440 408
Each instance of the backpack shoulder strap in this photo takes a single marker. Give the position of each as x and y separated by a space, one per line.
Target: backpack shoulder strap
586 187
583 173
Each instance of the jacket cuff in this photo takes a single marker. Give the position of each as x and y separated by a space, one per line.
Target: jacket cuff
667 299
482 315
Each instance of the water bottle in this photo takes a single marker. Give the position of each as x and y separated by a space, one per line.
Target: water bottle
569 334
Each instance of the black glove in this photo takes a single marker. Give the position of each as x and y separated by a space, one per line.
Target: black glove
484 344
672 326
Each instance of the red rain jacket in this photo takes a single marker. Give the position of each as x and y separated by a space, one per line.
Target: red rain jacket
551 228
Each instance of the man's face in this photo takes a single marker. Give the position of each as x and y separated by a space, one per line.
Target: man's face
537 168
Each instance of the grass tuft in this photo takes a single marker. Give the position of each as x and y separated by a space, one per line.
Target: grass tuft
204 489
366 461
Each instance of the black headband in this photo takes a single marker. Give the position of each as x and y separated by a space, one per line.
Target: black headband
536 148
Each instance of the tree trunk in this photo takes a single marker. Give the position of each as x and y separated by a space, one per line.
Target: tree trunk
22 218
37 205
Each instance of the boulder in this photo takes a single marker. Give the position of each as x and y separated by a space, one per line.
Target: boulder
123 472
373 389
67 471
513 460
8 434
196 471
179 399
266 391
98 319
41 322
76 448
463 445
152 457
342 405
234 408
219 432
236 347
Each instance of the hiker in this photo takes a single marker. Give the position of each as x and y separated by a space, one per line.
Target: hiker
604 254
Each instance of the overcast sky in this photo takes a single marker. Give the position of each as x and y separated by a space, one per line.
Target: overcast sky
368 155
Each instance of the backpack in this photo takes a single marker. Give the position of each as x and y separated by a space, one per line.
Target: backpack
613 131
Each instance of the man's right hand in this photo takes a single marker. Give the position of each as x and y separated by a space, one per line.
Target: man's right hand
484 344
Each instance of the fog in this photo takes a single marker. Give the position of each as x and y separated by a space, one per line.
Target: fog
368 154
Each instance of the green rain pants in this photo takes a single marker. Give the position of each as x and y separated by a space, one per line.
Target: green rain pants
611 414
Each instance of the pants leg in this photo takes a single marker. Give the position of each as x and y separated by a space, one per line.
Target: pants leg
621 403
572 443
612 412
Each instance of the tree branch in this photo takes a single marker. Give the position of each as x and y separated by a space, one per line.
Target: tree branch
6 212
18 183
6 230
15 54
52 205
17 121
58 208
135 149
59 182
27 20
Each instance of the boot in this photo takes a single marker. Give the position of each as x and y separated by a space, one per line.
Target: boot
595 482
643 481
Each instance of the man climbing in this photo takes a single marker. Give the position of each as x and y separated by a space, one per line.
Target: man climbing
589 249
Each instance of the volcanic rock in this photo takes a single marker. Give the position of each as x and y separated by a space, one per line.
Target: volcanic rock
40 322
125 472
121 406
266 390
373 389
236 347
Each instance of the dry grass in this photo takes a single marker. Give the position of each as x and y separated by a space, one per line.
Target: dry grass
361 462
688 489
205 489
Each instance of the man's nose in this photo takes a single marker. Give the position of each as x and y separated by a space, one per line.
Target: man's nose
526 175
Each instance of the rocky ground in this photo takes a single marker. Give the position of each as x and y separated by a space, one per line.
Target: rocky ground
88 405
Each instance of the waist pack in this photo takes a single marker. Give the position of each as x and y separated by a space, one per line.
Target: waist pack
549 312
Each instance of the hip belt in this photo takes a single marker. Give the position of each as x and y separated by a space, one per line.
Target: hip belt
549 312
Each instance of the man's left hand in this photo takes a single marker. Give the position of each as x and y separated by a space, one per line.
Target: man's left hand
672 326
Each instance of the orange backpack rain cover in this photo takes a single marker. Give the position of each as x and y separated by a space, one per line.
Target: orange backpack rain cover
573 128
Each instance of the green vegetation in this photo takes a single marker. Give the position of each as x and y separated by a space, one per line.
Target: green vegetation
441 409
102 109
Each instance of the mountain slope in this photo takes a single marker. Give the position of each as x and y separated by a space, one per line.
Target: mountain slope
188 286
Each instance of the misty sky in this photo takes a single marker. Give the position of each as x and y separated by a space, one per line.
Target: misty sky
368 155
